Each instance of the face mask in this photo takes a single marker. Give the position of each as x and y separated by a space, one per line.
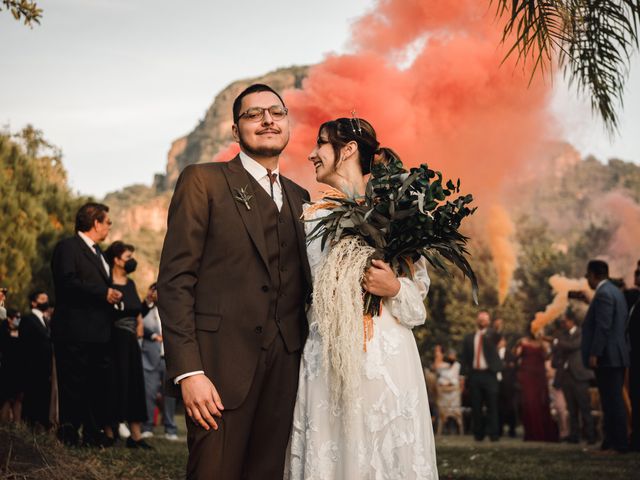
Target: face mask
130 265
43 307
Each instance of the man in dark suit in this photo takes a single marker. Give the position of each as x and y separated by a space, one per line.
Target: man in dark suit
37 351
81 327
573 378
633 330
481 364
605 350
231 290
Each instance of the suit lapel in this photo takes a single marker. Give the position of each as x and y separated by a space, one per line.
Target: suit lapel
237 179
93 258
295 205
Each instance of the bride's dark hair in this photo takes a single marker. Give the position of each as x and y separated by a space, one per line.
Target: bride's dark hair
344 130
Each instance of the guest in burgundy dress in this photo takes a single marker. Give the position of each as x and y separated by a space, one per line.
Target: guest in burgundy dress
535 408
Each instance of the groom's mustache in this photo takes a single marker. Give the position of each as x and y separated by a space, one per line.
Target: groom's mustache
268 130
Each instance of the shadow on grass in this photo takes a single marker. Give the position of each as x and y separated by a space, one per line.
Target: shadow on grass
24 455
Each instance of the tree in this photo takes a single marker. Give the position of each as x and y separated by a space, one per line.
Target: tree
593 41
451 312
26 10
36 210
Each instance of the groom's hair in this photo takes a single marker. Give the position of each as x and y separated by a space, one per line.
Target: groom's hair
255 88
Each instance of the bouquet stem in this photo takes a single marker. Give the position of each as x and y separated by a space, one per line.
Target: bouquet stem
372 304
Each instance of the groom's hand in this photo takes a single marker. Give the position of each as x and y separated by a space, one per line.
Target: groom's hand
380 280
201 401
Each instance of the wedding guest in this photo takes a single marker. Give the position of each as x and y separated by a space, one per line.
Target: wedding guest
481 363
81 328
507 395
605 350
447 370
535 411
11 372
130 403
498 326
634 365
155 369
574 379
36 341
558 404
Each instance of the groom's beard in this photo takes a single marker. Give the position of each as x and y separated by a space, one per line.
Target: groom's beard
261 151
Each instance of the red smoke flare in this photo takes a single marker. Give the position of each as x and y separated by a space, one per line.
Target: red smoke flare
452 104
455 106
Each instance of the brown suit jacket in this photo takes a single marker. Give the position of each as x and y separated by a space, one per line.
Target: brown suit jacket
214 277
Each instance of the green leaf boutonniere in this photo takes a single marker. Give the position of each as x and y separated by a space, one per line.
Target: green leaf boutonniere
243 196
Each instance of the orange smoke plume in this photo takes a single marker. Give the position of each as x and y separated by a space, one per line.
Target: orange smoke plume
500 229
624 250
427 74
561 287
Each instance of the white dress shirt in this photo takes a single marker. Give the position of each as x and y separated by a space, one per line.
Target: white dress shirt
40 316
482 363
90 243
602 282
260 174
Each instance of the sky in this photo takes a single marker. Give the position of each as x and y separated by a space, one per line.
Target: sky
114 82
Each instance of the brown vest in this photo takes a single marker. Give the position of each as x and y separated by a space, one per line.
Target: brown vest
286 309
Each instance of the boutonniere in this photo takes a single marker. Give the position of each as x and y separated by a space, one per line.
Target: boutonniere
243 196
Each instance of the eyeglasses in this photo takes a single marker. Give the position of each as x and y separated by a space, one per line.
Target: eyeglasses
256 114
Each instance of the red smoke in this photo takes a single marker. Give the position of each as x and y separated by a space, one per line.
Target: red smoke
624 250
561 287
500 230
455 106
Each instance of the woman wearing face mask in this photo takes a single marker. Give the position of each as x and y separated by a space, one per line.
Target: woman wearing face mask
129 395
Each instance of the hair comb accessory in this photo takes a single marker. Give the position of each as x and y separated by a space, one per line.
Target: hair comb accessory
355 123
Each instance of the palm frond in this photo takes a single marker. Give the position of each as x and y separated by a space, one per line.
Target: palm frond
592 39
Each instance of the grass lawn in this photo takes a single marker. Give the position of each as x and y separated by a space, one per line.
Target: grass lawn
27 456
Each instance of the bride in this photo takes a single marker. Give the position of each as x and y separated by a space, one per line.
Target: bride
372 422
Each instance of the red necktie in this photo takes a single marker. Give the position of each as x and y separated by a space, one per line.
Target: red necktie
478 350
272 179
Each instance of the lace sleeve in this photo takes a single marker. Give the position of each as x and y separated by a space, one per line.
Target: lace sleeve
408 305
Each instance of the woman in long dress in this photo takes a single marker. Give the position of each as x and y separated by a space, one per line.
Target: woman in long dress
382 429
535 408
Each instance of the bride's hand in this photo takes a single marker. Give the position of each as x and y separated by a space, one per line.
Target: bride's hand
380 280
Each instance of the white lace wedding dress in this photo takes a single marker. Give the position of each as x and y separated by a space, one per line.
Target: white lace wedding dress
390 435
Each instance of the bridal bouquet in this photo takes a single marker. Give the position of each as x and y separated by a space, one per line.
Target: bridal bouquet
402 216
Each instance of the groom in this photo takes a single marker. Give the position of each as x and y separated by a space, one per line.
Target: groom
232 287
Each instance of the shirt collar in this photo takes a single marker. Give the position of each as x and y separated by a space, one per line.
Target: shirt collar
256 170
602 282
87 240
38 313
572 330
